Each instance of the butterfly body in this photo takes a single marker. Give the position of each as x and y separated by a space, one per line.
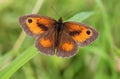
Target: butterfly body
58 29
57 37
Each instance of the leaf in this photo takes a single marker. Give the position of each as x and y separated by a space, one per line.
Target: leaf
80 16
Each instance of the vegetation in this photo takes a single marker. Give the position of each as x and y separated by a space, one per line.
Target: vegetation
19 59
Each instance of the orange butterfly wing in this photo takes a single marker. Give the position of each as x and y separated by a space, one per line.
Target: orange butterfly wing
74 34
45 43
42 28
81 33
67 47
35 25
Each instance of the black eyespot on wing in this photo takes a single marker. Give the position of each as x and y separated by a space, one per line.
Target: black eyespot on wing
88 32
29 20
73 33
43 27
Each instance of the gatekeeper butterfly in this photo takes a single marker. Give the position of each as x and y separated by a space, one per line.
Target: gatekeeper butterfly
57 37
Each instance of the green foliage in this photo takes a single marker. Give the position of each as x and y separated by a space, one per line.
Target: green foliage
80 16
19 59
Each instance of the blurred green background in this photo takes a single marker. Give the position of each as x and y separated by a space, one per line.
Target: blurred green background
19 59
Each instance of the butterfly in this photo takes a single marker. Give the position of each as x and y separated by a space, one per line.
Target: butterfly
57 37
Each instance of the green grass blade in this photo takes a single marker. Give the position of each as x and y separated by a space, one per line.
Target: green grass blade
81 16
18 62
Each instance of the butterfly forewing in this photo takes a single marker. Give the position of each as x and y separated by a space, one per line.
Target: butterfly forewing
81 33
35 25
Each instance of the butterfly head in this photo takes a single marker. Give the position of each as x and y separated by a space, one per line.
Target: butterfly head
60 21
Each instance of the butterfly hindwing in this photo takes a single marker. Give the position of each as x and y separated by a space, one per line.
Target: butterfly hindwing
35 25
67 47
46 43
81 33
